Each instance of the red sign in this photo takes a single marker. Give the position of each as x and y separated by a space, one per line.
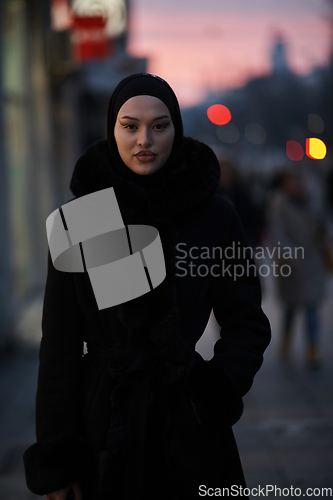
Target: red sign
89 38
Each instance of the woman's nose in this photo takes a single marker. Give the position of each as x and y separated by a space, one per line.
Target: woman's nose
144 138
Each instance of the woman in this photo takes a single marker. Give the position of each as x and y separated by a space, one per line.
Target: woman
302 276
142 415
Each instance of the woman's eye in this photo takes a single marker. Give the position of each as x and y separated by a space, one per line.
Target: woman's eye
161 126
158 126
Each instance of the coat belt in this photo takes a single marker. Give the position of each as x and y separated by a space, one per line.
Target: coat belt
122 363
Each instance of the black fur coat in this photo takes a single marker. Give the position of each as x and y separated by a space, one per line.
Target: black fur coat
155 420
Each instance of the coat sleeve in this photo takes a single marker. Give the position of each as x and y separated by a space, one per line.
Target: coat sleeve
60 455
218 385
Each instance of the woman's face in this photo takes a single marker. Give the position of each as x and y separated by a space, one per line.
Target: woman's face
144 134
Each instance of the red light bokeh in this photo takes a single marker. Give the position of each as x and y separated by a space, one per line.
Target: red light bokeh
294 150
219 114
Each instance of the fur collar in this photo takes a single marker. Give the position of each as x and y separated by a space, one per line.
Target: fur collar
195 180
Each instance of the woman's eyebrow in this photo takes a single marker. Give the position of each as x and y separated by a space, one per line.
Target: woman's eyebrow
129 118
136 119
160 117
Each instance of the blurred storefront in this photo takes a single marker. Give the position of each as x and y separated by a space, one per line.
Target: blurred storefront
52 106
27 146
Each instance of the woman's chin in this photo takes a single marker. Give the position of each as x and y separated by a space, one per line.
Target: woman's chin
145 168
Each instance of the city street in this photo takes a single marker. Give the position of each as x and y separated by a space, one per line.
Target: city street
285 436
232 97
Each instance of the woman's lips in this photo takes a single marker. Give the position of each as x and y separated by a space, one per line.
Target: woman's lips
145 155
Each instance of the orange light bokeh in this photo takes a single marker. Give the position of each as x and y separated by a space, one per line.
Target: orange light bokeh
219 114
315 148
294 150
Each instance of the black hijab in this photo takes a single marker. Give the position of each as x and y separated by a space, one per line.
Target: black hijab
146 84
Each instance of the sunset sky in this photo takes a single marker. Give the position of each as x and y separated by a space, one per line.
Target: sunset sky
202 45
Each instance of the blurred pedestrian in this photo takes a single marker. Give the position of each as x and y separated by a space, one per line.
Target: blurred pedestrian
234 189
142 415
298 235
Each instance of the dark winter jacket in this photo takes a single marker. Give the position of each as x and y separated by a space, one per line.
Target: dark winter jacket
142 411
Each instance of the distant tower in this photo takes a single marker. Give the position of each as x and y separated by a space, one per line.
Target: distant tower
279 61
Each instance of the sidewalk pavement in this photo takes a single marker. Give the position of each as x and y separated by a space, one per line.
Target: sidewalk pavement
285 436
